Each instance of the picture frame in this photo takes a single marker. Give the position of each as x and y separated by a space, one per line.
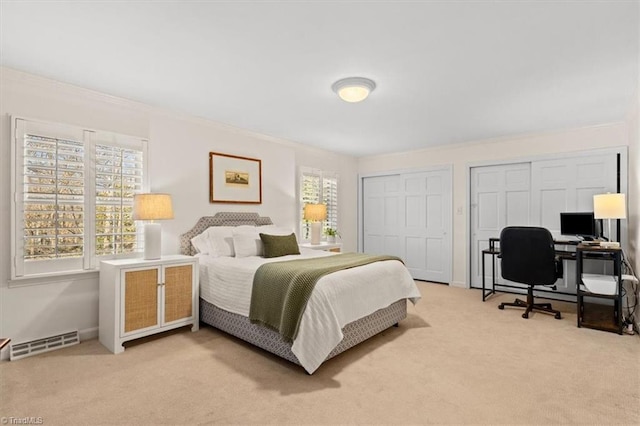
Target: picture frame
234 179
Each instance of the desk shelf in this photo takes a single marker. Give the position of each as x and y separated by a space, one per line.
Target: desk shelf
599 317
605 317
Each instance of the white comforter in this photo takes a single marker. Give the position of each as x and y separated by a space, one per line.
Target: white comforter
337 299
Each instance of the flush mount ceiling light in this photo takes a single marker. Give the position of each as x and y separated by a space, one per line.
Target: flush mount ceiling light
353 89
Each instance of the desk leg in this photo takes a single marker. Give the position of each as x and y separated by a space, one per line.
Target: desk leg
483 293
578 281
493 273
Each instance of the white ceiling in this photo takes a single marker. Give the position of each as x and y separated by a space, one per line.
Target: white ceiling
446 72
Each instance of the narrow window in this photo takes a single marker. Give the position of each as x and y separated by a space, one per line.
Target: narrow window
317 186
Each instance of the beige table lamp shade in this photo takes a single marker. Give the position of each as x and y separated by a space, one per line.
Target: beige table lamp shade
152 207
610 206
316 214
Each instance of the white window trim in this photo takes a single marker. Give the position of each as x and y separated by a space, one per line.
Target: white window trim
54 277
304 170
90 262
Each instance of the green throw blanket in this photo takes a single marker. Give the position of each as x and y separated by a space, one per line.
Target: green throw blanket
281 289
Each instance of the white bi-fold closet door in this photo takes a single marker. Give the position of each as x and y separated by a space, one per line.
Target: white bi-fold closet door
409 215
534 193
500 196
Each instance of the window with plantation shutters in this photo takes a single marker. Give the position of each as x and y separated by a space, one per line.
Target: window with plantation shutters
53 197
317 186
330 198
118 176
73 197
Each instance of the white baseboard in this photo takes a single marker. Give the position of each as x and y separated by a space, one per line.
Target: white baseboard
88 333
461 284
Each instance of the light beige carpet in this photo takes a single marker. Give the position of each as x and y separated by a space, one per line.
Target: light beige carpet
454 360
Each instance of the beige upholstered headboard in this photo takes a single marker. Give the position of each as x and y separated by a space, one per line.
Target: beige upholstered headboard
219 219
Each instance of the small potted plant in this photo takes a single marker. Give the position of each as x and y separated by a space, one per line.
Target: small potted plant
331 234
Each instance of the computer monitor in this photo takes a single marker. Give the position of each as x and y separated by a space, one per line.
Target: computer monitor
581 224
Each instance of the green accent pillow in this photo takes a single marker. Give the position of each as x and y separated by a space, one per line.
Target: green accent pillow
279 245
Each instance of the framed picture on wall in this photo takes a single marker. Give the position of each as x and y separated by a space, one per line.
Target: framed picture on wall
234 179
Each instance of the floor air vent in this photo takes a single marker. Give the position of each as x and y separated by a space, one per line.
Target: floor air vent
34 347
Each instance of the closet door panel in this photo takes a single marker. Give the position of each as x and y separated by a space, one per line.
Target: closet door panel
427 245
414 211
381 215
415 247
499 197
517 207
568 185
436 258
409 215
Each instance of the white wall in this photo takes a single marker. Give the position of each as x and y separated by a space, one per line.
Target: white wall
179 165
179 147
460 156
633 199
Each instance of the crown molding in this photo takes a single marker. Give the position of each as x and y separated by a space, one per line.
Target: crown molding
40 82
37 83
501 139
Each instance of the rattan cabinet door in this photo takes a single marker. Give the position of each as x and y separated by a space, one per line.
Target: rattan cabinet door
140 299
178 296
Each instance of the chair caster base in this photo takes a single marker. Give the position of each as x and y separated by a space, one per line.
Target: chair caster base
531 307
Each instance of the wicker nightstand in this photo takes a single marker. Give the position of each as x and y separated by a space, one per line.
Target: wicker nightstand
143 297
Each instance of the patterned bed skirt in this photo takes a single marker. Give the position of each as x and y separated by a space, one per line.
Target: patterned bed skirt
269 340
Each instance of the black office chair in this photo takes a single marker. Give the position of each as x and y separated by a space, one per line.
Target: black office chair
528 257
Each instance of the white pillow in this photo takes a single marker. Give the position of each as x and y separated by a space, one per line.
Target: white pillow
274 230
220 241
201 243
243 229
247 245
247 242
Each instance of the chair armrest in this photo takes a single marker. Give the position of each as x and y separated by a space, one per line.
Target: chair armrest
559 266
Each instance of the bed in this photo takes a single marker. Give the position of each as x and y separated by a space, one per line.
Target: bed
371 298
